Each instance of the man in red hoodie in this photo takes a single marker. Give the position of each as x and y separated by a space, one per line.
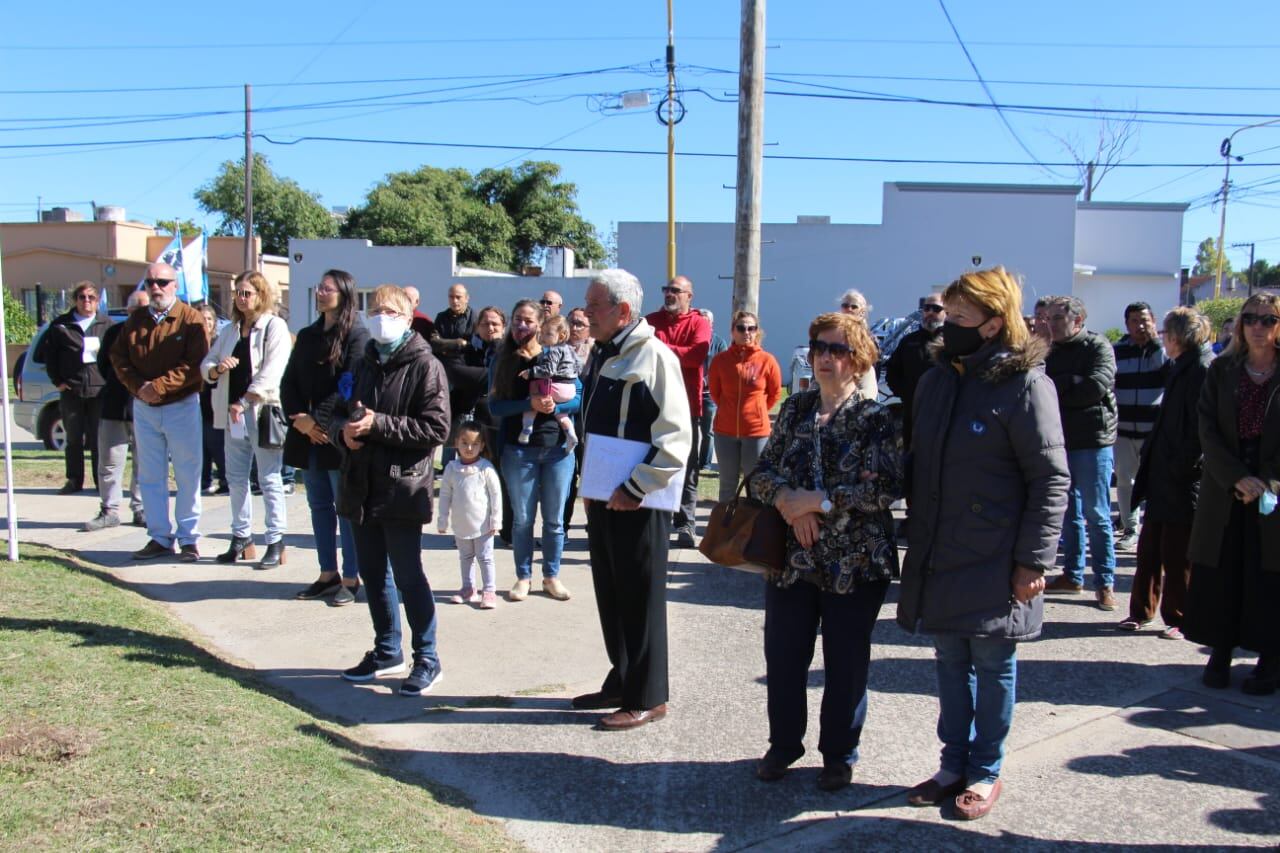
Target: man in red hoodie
688 334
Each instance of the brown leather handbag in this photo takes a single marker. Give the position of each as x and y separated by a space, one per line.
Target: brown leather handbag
746 535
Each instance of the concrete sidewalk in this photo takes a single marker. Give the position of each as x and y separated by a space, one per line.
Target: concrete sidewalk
1115 743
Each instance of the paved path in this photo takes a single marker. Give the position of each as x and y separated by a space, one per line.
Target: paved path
1115 743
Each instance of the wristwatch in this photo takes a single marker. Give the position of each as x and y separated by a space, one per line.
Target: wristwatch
826 505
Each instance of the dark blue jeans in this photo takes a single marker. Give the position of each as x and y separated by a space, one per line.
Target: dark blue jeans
977 680
792 618
322 490
376 543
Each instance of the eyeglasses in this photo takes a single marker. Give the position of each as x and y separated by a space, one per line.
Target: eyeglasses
246 294
746 329
326 291
852 306
674 291
1248 318
579 324
817 348
548 302
88 297
932 309
158 282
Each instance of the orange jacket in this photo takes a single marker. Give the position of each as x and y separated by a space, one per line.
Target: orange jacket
746 383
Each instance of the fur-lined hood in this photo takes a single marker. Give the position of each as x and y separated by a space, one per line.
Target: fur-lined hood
995 364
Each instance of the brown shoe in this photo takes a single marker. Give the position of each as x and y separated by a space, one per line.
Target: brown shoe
971 806
1062 583
930 792
620 721
1106 599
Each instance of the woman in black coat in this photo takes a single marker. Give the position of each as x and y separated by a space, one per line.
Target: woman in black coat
1235 544
1169 479
389 420
325 352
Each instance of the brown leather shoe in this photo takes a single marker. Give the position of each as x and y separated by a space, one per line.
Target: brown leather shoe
1106 598
971 806
930 792
1062 583
620 721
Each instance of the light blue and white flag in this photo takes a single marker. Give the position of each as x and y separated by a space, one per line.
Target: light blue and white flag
193 271
172 255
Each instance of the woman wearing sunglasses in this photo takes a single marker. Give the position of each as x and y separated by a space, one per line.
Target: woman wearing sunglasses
1235 542
831 468
745 384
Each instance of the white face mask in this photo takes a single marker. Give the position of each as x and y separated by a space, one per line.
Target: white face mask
387 328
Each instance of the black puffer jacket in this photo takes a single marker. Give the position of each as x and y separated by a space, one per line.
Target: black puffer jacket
1169 474
61 351
989 485
1083 370
308 388
389 479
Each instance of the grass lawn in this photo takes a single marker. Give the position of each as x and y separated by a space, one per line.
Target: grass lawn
117 732
38 467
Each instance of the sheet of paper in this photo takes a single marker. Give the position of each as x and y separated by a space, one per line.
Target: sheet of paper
607 462
91 346
237 429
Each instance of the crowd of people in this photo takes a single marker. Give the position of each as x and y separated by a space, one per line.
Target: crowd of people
1004 444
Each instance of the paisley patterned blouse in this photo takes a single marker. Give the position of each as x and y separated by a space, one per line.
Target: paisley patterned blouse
856 542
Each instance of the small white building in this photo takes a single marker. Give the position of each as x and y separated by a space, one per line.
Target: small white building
1108 254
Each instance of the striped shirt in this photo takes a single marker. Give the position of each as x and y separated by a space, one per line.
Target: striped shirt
1140 374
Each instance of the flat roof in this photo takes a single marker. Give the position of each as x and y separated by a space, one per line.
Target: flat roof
1172 206
1025 189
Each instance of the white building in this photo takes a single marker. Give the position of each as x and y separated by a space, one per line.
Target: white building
1108 254
431 269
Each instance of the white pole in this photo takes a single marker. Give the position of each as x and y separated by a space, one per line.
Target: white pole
5 409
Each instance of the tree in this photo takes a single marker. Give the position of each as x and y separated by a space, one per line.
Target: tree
499 218
1220 310
1096 156
281 208
1264 274
1207 259
188 226
18 325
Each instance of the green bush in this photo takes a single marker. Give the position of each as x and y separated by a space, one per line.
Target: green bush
18 325
1220 310
1113 334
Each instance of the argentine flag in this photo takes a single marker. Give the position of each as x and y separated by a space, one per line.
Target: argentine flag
191 262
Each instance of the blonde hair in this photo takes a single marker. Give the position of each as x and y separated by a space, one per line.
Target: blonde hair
1239 347
392 295
1188 327
856 336
558 324
268 296
998 294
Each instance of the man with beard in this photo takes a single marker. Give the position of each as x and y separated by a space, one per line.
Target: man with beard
912 358
450 340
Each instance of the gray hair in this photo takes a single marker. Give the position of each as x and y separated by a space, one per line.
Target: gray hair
1072 305
623 288
706 312
136 297
852 293
1188 327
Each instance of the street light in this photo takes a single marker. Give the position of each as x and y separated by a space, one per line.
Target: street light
1225 151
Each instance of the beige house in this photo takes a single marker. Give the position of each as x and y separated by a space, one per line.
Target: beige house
49 258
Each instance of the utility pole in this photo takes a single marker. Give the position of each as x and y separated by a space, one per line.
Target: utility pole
746 227
1241 246
250 256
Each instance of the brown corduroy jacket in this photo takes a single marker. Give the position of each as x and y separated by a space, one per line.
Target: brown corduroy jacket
166 354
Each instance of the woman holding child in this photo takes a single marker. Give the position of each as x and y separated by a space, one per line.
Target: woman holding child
537 462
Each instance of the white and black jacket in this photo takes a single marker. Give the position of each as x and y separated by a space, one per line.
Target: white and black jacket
637 393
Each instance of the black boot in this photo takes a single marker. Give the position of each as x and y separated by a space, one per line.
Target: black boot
273 557
1264 678
1217 672
241 549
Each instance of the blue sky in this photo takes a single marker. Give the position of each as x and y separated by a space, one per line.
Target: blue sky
533 75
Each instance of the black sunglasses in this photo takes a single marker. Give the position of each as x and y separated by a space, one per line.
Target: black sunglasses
158 282
932 309
836 350
666 288
1268 320
746 329
547 302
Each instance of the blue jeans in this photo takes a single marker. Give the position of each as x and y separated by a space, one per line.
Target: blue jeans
792 617
533 475
322 491
977 679
241 453
1089 507
401 544
163 434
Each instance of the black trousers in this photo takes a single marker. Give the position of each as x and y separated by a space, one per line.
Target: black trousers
573 483
629 569
686 517
80 420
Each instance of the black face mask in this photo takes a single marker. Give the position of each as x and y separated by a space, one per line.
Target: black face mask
959 341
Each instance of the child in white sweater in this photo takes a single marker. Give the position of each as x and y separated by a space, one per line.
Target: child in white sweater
470 489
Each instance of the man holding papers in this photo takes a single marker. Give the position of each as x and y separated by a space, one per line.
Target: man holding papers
635 395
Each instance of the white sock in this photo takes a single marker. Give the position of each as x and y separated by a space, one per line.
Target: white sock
982 789
946 777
